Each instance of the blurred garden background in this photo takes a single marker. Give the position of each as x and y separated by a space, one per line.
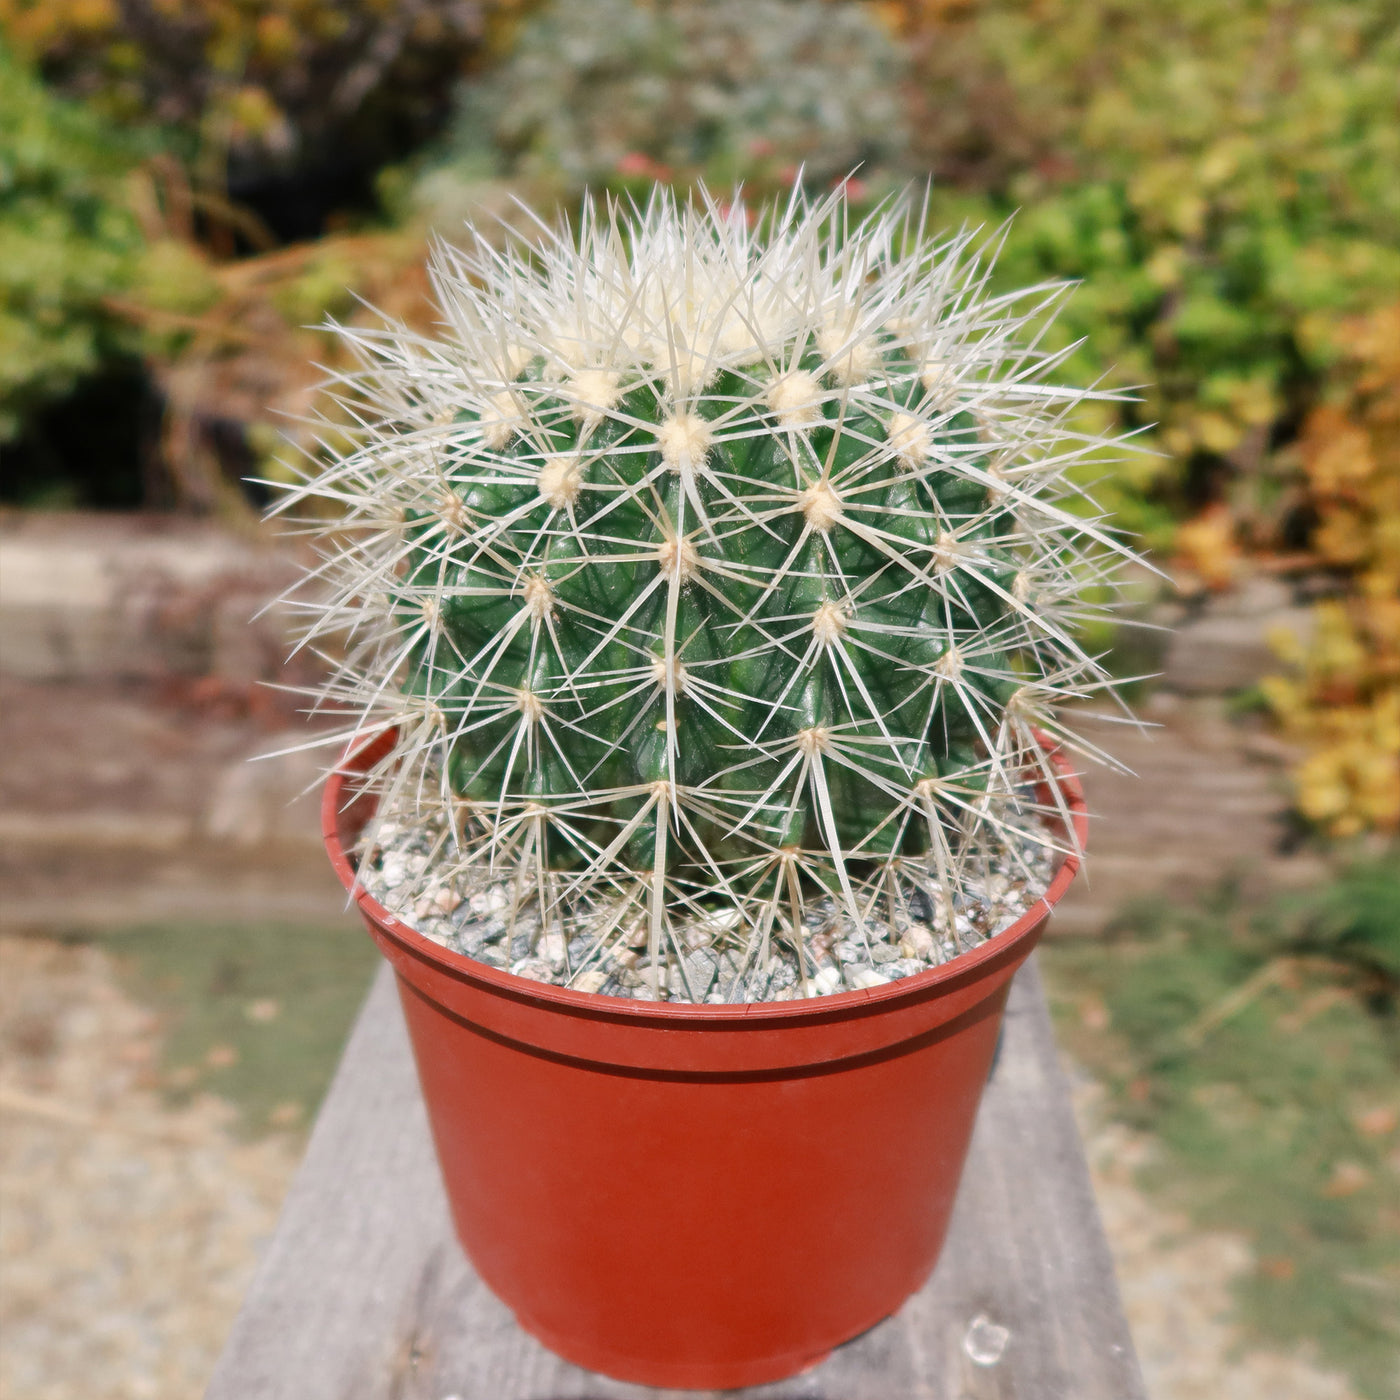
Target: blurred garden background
190 189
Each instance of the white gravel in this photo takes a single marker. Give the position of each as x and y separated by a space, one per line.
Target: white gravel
718 962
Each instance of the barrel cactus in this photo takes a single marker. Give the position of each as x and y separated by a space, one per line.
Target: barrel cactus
713 566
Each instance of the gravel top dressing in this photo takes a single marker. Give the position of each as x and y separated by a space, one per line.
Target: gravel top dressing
722 961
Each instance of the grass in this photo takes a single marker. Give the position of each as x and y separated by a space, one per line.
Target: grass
1262 1049
257 1013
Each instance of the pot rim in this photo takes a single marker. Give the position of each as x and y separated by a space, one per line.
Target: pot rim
571 1000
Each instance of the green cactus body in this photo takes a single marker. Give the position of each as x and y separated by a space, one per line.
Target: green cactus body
716 569
774 624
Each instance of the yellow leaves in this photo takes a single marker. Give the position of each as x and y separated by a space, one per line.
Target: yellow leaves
1254 402
1166 196
1222 161
320 289
1343 700
35 28
1178 440
1381 595
232 340
917 16
93 16
1206 545
1166 265
1337 657
1335 451
1342 536
1284 697
173 277
1225 411
253 111
275 38
894 16
1289 647
1216 432
250 73
1374 341
329 23
1350 779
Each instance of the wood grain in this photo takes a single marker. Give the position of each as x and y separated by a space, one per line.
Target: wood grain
363 1293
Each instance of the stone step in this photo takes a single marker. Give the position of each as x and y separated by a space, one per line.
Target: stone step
121 597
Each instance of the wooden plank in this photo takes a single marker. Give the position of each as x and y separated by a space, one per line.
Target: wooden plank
363 1293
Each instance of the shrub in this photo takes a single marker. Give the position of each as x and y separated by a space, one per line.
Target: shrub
1342 701
299 102
1219 176
620 93
68 241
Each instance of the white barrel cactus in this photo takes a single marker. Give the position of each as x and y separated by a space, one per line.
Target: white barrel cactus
713 567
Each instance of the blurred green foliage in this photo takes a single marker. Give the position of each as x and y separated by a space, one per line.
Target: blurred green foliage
1220 180
1220 177
285 102
1355 920
1262 1050
617 94
68 241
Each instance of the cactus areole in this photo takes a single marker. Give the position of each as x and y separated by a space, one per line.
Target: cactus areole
707 570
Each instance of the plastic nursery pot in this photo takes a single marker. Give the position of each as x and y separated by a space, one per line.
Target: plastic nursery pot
671 1194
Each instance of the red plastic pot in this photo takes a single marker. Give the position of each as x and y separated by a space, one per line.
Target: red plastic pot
697 1196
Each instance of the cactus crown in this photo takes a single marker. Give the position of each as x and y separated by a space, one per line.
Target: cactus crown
711 565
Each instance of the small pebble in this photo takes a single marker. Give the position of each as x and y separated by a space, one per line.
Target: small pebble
700 969
904 967
863 976
917 942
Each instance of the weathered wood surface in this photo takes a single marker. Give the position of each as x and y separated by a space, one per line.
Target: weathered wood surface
363 1293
